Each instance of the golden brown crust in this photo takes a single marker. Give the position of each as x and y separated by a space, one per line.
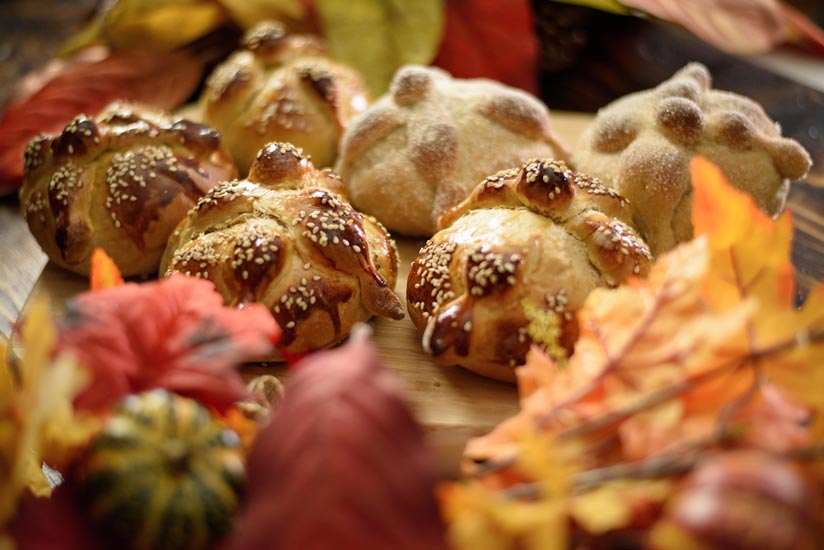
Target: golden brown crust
641 145
120 181
422 147
285 88
540 238
289 240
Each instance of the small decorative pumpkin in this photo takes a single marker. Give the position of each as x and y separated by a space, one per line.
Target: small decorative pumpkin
162 474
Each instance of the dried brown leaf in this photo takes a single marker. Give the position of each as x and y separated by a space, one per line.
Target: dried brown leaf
738 26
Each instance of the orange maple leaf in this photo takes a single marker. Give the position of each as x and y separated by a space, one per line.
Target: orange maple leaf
709 352
636 341
104 272
751 262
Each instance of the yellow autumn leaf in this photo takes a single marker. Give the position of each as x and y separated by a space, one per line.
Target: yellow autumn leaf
37 421
548 462
669 535
248 13
751 261
63 433
750 252
481 519
800 368
708 351
466 508
154 24
609 507
379 36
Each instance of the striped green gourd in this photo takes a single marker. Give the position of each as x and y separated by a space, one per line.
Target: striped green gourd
162 474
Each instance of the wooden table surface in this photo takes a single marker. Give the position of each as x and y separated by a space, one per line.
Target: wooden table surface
621 56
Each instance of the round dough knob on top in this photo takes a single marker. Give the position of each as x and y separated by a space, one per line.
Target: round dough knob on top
421 148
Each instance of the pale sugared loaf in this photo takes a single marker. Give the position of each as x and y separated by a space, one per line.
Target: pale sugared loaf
120 181
422 147
529 243
641 145
282 87
286 237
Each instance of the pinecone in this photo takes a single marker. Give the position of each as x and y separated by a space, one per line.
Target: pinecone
562 31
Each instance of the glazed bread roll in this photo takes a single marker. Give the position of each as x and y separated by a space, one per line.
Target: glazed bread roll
286 237
422 147
641 146
529 244
282 87
120 181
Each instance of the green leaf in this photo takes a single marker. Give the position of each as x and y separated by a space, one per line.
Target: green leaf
379 36
611 6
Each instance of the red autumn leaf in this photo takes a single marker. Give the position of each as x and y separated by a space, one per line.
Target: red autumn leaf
174 334
162 80
55 522
802 30
490 39
342 464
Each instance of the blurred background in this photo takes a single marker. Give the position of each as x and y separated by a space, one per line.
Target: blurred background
59 58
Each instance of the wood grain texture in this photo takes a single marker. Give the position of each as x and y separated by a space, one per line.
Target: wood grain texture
22 262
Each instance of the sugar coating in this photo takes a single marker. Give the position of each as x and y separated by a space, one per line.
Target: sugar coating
641 146
422 147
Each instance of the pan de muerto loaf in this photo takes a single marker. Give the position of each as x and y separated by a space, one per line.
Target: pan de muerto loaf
282 87
529 244
641 146
286 237
422 147
120 181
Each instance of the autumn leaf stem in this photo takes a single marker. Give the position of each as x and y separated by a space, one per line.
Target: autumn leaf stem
613 358
800 338
743 293
655 398
670 464
811 453
666 465
733 407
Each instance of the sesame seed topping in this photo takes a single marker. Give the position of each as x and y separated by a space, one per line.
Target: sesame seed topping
433 271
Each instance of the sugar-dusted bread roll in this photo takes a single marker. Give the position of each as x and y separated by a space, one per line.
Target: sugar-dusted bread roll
422 147
641 146
120 181
287 238
282 87
528 244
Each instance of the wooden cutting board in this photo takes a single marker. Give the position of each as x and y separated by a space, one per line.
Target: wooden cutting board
451 403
